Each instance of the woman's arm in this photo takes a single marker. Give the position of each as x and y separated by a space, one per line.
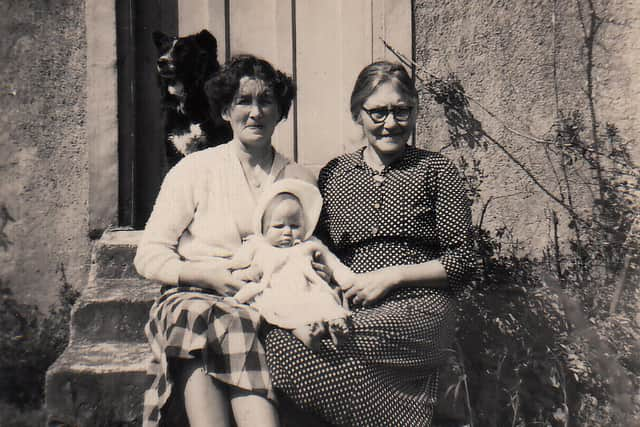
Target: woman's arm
210 275
321 254
454 229
366 288
157 257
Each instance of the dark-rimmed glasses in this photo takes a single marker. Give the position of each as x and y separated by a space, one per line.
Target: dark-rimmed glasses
379 115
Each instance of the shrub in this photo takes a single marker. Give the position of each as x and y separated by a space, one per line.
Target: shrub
553 341
535 354
30 343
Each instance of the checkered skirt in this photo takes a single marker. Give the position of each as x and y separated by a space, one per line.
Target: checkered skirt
188 323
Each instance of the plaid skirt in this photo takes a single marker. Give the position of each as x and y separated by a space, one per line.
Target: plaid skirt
185 323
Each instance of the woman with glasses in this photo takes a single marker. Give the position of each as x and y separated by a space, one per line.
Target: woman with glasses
206 351
398 216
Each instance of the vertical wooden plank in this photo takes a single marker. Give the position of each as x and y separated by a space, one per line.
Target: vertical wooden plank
393 22
333 44
197 15
150 139
193 16
378 29
357 42
284 136
126 110
217 25
264 28
318 64
251 24
102 114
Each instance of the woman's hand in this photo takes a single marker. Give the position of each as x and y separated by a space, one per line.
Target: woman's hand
251 273
366 288
210 276
320 267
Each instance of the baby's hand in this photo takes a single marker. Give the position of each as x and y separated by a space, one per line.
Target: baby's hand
248 292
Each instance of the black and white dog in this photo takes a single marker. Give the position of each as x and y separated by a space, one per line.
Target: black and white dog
184 65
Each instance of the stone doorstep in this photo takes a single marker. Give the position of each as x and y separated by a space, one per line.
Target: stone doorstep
113 310
113 255
97 385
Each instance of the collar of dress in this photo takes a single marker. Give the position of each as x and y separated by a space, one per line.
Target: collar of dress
356 159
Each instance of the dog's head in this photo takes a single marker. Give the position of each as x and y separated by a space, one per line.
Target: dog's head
187 59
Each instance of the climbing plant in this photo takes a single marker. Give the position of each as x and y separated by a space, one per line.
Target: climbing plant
551 338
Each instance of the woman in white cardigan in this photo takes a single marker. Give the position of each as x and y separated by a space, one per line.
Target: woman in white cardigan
204 345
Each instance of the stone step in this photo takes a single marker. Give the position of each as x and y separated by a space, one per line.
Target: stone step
97 385
113 310
113 254
100 385
114 305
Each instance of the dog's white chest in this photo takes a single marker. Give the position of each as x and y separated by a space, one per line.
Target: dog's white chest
188 142
177 90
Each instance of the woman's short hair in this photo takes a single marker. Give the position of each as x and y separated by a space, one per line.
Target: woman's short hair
223 86
375 74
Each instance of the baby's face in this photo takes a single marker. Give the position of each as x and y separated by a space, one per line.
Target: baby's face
283 222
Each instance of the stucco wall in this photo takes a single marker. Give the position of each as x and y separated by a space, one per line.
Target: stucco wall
502 52
43 166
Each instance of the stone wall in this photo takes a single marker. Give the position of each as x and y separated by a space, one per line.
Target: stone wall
43 166
502 52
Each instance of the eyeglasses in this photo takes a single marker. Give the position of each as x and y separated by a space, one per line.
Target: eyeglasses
379 115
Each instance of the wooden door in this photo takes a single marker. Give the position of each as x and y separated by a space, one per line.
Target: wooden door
141 151
322 44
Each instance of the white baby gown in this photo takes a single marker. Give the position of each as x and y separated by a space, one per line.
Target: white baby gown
290 294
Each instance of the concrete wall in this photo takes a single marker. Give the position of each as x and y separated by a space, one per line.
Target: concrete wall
502 52
43 166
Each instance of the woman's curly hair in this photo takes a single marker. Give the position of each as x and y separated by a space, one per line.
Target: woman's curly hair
223 86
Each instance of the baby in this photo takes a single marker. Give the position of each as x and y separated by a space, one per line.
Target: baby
291 294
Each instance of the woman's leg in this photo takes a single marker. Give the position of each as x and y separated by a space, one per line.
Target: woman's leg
251 410
206 401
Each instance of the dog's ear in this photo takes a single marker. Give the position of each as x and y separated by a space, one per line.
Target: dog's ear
160 38
206 41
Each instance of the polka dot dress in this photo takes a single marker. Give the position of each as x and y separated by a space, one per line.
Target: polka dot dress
385 373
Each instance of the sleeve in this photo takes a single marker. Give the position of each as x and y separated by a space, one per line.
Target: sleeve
454 229
157 257
321 231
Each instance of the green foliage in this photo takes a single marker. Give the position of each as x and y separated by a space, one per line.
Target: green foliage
553 340
30 343
532 357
